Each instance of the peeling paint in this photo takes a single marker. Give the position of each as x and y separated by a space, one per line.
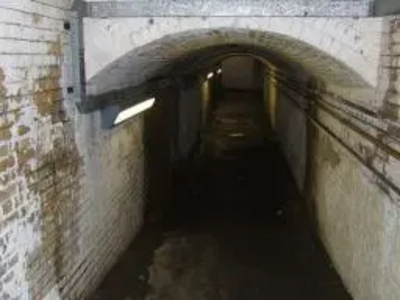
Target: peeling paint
56 48
4 151
7 163
5 133
24 155
58 214
48 98
22 130
3 90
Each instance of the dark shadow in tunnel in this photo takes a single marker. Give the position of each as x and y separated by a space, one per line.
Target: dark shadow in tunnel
128 278
239 202
310 175
234 206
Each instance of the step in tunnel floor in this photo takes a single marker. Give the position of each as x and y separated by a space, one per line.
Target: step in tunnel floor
236 229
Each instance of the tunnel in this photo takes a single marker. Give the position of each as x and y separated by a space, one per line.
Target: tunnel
262 160
225 219
229 147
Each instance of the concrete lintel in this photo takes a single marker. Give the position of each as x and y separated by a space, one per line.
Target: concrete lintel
220 8
124 97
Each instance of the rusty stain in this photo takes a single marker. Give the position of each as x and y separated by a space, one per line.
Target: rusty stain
22 130
5 133
47 97
56 48
5 129
3 90
4 150
55 71
2 76
7 163
57 183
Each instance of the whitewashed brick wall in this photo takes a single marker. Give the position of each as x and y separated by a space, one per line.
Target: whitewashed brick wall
70 193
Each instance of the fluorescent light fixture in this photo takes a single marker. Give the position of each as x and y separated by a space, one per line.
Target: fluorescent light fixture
219 71
134 110
210 75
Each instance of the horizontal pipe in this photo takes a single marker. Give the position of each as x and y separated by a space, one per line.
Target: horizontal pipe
370 167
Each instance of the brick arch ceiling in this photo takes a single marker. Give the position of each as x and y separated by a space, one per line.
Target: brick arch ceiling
153 59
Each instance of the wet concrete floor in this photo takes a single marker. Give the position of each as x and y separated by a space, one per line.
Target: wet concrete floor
236 229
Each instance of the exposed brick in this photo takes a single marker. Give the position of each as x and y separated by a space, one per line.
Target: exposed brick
7 207
7 163
22 130
5 134
4 150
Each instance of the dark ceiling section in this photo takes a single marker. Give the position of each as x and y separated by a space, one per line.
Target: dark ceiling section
203 60
387 7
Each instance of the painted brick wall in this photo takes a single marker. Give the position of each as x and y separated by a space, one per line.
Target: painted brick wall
355 210
353 174
291 122
71 195
358 209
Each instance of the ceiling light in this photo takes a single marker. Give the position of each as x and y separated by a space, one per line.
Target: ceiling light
134 110
210 75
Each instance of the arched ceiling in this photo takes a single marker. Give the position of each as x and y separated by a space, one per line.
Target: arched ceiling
179 53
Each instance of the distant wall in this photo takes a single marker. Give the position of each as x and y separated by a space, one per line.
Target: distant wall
242 73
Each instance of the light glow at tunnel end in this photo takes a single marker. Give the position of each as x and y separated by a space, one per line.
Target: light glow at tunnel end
134 110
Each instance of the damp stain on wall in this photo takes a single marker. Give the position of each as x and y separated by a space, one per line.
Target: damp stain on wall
55 180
